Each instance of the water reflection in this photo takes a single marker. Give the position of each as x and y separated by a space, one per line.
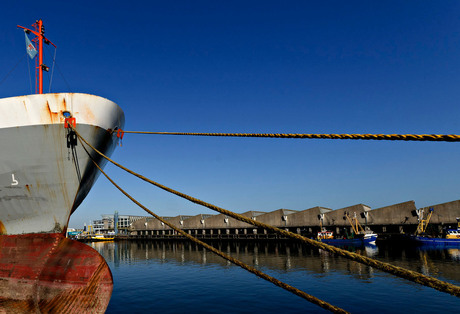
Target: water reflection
285 257
454 254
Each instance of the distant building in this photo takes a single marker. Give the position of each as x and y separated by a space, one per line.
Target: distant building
106 224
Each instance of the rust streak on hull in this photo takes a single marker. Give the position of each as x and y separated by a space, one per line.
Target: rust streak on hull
44 178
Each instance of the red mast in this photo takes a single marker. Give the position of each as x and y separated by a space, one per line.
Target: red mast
39 65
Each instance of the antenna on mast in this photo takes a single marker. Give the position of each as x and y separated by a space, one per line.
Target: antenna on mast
39 31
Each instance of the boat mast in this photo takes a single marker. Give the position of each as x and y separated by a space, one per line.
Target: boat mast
40 66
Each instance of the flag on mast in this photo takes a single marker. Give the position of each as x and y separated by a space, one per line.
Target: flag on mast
31 51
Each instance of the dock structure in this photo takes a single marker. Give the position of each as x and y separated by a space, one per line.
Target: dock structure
389 220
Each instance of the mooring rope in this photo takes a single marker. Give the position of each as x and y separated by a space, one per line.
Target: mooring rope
298 292
394 270
384 137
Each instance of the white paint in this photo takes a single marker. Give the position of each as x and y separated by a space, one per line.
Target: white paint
15 182
35 110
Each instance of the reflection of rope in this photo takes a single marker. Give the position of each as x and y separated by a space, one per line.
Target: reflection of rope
258 273
395 270
386 137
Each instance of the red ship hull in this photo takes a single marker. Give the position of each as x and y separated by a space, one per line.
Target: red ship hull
50 273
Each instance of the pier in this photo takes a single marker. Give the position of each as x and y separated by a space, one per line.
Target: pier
387 221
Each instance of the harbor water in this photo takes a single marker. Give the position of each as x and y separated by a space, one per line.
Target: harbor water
181 277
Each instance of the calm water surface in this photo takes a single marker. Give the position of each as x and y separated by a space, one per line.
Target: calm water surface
180 277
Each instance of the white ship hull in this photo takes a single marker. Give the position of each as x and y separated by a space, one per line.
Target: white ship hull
42 181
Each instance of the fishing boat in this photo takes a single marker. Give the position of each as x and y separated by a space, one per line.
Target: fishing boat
451 238
357 239
454 234
45 173
359 236
325 235
101 237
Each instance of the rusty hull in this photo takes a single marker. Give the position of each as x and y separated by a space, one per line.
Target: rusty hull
48 273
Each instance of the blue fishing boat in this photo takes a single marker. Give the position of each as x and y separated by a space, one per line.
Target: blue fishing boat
437 242
450 239
359 239
359 236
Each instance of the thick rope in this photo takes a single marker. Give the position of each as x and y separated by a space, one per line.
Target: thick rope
258 273
385 137
395 270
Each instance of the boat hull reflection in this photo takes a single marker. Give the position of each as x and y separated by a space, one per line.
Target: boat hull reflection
50 273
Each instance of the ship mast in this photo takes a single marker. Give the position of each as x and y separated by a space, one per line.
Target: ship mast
39 65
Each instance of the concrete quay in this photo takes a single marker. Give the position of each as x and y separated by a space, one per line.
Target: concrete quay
401 218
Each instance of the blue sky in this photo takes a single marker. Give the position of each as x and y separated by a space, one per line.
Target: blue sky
259 67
